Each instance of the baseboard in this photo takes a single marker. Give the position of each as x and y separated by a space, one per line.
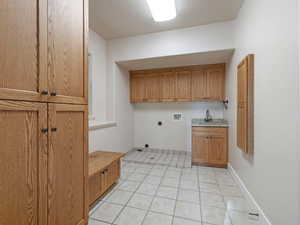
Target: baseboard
263 218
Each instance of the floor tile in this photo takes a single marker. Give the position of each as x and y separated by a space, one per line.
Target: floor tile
129 186
130 216
226 181
170 182
210 199
231 191
107 212
204 178
189 184
157 219
154 180
239 218
147 189
163 205
140 201
215 216
167 192
237 203
188 210
119 197
136 177
143 170
188 195
96 222
157 172
172 174
209 188
180 221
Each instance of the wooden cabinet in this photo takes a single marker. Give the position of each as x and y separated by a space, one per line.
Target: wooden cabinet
193 83
209 83
67 164
245 124
67 51
104 171
137 88
168 87
23 163
152 88
23 54
43 154
183 86
209 146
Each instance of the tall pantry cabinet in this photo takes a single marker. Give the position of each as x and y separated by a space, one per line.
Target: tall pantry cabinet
43 112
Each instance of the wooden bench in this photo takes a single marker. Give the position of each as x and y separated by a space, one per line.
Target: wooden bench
104 171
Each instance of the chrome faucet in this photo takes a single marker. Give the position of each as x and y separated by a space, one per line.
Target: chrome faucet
208 116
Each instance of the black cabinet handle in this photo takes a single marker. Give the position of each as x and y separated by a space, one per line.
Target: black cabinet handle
44 130
53 94
54 129
44 92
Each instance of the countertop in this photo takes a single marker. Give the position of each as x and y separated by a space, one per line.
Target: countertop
213 123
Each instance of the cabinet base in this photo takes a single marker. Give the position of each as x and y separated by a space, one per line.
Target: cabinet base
210 165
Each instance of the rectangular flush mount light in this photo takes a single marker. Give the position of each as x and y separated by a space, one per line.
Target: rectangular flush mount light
162 10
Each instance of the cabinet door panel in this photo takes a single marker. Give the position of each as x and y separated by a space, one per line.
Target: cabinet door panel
67 50
23 44
200 148
152 88
137 92
184 86
217 150
168 87
23 163
67 191
215 84
199 85
94 187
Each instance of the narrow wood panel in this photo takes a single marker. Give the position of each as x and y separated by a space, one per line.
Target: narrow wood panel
23 40
94 187
152 88
199 85
245 111
23 163
215 84
218 150
184 86
67 55
67 190
168 87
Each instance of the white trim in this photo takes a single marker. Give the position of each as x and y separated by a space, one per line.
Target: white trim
94 125
263 218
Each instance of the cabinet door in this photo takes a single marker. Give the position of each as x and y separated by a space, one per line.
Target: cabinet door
23 46
23 163
199 85
168 87
137 86
113 173
215 84
152 88
200 148
184 86
217 150
67 50
67 165
94 187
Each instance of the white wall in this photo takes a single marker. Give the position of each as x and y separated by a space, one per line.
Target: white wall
173 135
268 29
118 138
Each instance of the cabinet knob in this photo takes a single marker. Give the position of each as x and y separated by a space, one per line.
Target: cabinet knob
44 92
44 130
53 93
54 129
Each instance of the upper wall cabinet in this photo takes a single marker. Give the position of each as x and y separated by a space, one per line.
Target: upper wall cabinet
43 50
194 83
23 49
67 44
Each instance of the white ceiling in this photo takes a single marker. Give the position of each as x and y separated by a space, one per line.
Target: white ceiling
123 18
203 58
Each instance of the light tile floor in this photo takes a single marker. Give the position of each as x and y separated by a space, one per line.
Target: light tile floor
165 195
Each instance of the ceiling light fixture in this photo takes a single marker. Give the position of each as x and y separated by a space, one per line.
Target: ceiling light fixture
162 10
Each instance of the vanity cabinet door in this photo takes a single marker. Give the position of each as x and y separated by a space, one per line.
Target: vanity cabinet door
215 84
199 87
200 148
217 150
